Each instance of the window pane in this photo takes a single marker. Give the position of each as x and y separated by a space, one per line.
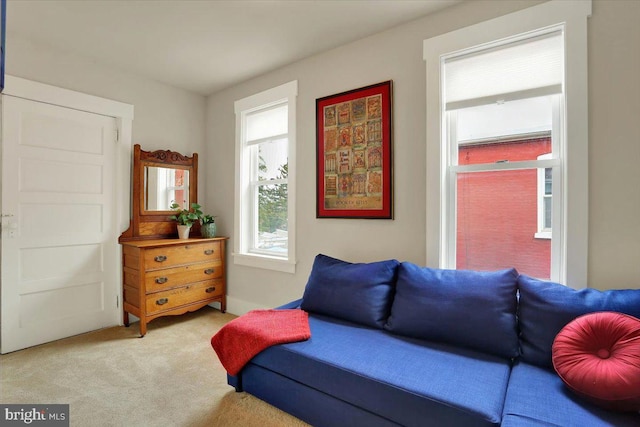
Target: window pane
272 218
266 123
497 221
547 181
504 126
547 212
272 160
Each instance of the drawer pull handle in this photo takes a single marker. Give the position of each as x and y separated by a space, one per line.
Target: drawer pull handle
160 258
162 301
209 271
208 252
162 280
211 289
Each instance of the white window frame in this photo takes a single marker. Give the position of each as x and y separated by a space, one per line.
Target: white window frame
569 260
245 211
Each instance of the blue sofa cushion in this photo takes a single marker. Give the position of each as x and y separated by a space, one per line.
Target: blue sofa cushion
409 381
466 308
537 397
546 307
360 292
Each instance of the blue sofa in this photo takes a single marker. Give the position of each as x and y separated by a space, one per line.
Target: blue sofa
394 344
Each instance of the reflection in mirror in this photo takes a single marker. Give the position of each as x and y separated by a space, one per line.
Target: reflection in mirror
163 186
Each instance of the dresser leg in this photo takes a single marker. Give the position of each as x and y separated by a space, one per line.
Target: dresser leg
143 328
223 305
125 319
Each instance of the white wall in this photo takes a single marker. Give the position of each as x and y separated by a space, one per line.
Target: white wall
164 117
614 145
397 55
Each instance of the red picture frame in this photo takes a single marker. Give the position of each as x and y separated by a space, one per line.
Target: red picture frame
354 155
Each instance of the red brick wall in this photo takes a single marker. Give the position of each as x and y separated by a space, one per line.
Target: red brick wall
497 211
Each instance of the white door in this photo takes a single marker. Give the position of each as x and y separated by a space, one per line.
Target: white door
59 254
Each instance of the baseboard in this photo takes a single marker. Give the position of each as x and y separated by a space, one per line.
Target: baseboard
239 307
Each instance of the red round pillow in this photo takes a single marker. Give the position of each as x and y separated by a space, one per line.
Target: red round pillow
598 357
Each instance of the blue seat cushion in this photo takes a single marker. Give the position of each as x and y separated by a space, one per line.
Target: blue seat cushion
538 397
474 309
547 307
358 292
406 380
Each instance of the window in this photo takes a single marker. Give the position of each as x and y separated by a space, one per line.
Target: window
265 181
499 133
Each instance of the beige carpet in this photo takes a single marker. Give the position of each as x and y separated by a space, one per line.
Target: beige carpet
111 377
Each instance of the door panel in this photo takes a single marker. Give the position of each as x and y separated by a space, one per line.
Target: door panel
59 246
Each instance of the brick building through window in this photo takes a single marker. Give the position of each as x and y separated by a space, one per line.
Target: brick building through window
497 211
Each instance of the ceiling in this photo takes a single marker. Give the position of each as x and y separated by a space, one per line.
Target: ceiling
205 46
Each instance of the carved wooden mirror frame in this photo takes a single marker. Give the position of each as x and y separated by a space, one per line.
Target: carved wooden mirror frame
155 224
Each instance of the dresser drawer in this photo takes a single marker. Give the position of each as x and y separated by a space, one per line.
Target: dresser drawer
172 298
158 280
187 253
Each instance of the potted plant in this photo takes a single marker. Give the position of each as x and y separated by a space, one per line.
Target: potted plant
208 226
185 218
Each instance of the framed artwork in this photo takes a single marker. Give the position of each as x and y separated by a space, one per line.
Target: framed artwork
353 143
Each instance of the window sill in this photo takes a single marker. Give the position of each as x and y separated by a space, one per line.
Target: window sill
543 235
265 262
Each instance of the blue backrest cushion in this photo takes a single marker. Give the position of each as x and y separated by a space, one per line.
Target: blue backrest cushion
358 292
472 309
546 307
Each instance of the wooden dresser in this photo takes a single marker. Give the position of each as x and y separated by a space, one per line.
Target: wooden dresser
163 277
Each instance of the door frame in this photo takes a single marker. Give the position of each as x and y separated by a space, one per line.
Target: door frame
122 112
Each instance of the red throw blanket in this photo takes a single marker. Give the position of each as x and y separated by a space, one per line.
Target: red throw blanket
244 337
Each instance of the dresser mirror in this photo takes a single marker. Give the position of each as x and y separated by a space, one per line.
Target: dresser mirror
164 186
160 178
